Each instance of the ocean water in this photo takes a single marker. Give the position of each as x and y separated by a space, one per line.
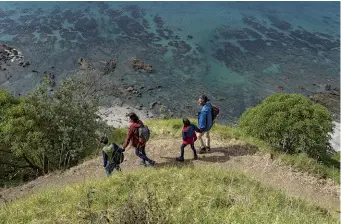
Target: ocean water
237 53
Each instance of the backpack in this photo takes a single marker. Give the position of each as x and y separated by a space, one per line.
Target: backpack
117 156
144 134
215 112
189 134
114 154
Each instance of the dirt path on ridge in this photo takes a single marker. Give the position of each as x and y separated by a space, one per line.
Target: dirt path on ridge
231 155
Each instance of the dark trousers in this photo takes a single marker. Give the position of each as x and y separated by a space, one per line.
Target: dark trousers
183 150
111 167
140 151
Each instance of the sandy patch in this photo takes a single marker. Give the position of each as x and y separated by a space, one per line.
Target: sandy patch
115 115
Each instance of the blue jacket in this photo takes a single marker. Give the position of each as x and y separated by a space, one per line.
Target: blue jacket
205 117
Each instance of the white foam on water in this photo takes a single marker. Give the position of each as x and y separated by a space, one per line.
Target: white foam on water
335 141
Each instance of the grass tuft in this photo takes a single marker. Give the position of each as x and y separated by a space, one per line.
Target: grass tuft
167 195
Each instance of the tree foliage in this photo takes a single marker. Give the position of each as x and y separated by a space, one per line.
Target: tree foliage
291 122
48 130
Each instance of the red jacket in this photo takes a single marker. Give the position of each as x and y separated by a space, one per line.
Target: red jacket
188 134
133 134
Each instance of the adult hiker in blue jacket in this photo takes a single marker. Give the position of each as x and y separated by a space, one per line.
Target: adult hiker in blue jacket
204 123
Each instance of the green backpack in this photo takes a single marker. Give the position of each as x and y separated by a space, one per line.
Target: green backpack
114 153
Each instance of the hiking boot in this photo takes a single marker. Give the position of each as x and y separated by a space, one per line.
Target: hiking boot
152 162
195 157
143 163
208 149
180 159
202 150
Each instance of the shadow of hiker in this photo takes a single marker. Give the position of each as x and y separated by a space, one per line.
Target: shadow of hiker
172 162
233 150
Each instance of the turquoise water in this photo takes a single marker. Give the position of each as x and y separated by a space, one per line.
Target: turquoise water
235 52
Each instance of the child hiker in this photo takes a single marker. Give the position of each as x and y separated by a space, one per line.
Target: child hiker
188 138
112 156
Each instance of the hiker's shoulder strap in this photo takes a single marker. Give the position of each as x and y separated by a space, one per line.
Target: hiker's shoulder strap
108 149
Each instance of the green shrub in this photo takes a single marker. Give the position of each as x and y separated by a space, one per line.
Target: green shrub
290 122
45 131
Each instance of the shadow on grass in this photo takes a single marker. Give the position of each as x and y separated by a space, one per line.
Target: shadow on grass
234 150
211 156
172 162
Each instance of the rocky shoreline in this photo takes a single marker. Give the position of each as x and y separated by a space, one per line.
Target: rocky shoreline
155 67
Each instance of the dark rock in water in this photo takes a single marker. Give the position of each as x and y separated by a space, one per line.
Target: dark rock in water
113 13
130 89
330 101
69 35
252 33
251 21
139 107
145 23
130 27
280 24
151 106
15 52
158 21
189 36
162 34
181 46
27 63
328 87
110 66
135 11
35 71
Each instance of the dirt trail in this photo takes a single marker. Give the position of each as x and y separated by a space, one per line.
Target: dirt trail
232 155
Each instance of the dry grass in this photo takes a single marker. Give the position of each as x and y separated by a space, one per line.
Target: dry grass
167 195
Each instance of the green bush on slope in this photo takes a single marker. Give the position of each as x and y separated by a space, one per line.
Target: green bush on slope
290 122
44 131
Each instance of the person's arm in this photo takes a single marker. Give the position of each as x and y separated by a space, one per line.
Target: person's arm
202 120
116 147
105 159
183 135
196 129
128 138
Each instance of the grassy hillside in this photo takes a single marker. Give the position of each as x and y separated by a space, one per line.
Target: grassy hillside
172 127
167 195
